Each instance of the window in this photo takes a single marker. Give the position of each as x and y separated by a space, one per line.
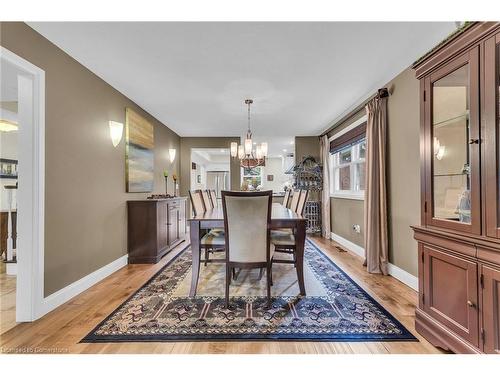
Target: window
252 177
347 163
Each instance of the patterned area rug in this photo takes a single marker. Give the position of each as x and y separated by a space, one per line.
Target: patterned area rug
335 308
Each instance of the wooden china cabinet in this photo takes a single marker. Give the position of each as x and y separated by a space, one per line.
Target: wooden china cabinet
459 235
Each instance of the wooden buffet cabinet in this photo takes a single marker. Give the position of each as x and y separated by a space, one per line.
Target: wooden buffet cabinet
459 235
155 226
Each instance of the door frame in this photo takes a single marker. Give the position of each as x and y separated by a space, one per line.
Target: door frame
30 301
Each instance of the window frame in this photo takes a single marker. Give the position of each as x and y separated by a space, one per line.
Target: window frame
334 165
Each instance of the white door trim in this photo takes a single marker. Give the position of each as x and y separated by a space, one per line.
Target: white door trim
31 191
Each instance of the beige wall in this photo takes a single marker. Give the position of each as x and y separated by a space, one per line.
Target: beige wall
403 180
85 198
187 143
306 146
345 213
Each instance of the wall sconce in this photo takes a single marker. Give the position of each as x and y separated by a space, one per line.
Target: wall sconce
438 149
171 153
115 132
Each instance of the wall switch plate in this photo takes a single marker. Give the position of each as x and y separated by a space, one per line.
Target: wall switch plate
356 228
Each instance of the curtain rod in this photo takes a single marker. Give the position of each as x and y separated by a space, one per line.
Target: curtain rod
381 93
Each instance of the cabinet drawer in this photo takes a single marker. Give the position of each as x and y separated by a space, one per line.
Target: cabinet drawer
450 292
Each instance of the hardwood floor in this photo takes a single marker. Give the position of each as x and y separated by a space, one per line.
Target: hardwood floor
7 300
61 330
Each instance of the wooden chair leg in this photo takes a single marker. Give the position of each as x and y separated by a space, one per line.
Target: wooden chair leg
269 283
206 256
228 280
261 273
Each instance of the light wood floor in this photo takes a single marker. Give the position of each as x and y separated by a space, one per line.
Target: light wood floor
61 330
7 300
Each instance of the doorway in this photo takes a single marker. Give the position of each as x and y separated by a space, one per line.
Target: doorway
210 169
22 121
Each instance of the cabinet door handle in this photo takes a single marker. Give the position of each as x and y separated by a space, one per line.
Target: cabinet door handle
474 141
471 304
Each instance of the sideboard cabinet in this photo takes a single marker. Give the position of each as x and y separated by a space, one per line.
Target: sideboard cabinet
155 226
459 235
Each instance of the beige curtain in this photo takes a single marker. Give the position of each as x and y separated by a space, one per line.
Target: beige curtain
376 238
325 194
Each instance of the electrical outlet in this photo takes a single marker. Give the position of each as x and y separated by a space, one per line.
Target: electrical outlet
356 228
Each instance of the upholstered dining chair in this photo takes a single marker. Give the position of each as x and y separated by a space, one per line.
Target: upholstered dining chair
247 218
295 200
213 241
213 197
286 197
284 240
206 199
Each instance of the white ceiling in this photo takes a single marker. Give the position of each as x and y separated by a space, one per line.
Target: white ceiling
194 77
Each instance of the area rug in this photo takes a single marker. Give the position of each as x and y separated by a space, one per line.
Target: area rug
335 308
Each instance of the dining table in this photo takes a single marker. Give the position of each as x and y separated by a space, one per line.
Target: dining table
281 218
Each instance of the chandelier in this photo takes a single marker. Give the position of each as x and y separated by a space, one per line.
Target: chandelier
248 156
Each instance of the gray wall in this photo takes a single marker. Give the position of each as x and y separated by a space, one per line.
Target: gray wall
403 179
85 198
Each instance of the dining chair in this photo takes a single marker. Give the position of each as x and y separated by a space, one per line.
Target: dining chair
206 199
247 219
213 240
295 200
302 202
213 197
197 202
285 198
284 240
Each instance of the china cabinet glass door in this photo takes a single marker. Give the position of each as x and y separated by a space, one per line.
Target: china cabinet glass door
454 145
491 129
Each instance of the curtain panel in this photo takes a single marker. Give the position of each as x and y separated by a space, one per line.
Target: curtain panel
375 204
325 194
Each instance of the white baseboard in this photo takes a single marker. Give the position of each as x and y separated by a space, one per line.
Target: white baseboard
351 246
403 276
396 272
65 294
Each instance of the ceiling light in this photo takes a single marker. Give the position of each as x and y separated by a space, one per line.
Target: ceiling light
249 157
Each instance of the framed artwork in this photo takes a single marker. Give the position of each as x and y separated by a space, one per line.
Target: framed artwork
8 168
270 177
139 157
193 165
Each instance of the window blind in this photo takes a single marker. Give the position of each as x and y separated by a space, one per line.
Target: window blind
348 139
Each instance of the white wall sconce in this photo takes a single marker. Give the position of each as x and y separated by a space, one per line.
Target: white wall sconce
439 149
115 132
171 153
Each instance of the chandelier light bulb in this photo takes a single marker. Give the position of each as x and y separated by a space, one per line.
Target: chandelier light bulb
263 147
258 152
248 146
234 149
